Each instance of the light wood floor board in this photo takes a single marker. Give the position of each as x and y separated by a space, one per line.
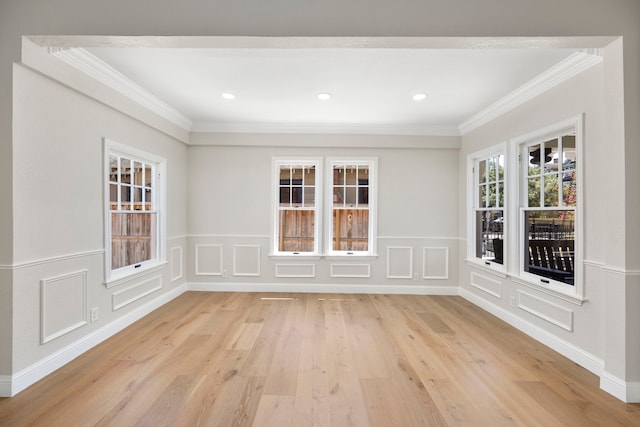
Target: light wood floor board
252 359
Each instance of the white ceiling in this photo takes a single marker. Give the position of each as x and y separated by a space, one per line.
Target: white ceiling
371 88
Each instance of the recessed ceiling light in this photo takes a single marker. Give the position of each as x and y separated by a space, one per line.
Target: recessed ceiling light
228 96
324 96
419 96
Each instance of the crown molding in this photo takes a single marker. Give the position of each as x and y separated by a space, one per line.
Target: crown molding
563 71
88 63
326 128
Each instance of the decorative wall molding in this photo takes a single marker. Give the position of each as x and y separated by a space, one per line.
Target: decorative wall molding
93 66
246 260
133 293
435 263
350 270
545 310
214 252
563 71
176 263
67 294
400 262
54 361
295 270
486 284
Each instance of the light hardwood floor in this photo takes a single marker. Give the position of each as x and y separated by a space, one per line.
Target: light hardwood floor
242 359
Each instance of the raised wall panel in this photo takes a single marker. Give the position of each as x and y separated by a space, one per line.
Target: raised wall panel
63 305
133 293
295 270
546 310
486 284
435 263
176 263
246 260
399 263
208 260
350 270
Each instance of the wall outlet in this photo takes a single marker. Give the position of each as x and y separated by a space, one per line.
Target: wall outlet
224 273
415 276
94 314
513 301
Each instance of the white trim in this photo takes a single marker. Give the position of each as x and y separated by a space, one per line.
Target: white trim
493 293
257 267
421 238
568 350
563 71
137 275
58 258
325 128
446 262
44 338
5 386
49 364
628 392
278 274
520 304
228 236
197 267
93 66
178 276
117 306
408 276
345 275
325 288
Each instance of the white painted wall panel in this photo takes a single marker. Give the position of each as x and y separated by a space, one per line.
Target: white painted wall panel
63 304
399 263
246 260
435 263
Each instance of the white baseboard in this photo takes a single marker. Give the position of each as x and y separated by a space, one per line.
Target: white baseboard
628 392
324 288
12 385
568 350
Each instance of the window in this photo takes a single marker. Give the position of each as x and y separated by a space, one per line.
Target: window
297 219
549 199
489 208
352 206
133 213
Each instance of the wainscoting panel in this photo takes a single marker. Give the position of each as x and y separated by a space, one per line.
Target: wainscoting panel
545 310
63 305
208 260
486 284
399 262
246 260
136 292
350 270
295 270
176 263
435 263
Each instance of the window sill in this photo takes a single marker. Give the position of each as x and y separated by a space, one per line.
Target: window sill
493 268
131 275
342 257
296 256
572 298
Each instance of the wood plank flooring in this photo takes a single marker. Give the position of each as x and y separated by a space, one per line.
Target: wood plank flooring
248 359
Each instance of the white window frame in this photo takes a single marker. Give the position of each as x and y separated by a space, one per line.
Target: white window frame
277 162
372 163
115 276
473 199
519 145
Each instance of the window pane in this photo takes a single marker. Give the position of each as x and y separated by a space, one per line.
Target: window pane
363 193
137 198
309 175
125 197
285 173
534 160
125 170
483 196
351 230
482 171
296 196
569 189
500 160
138 173
285 196
501 194
350 175
113 168
551 190
132 240
363 173
296 230
492 195
338 175
338 196
309 197
549 241
489 235
350 196
148 200
534 192
551 156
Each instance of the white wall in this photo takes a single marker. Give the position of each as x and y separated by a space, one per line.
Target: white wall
59 234
230 202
